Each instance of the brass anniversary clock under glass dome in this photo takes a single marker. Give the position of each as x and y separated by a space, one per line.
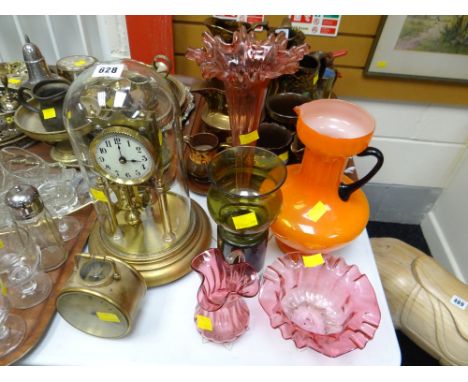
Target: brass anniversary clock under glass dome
132 159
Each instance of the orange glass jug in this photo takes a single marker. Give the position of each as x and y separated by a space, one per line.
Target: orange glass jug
322 208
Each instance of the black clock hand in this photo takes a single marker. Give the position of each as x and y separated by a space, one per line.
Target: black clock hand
122 159
120 152
134 160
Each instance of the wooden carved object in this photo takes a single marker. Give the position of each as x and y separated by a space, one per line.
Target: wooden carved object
427 303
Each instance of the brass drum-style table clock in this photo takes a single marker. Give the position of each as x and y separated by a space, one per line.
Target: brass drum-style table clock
132 159
102 296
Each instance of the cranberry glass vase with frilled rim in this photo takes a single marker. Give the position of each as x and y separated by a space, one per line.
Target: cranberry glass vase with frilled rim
246 66
222 315
331 308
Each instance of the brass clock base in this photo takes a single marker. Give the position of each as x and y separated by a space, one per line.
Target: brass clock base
63 152
160 269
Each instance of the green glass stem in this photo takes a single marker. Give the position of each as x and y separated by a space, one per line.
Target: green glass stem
238 248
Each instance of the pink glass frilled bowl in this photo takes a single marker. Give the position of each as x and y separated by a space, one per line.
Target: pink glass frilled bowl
331 308
220 295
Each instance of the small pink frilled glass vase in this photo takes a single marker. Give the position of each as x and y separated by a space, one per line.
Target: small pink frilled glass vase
331 308
246 66
222 315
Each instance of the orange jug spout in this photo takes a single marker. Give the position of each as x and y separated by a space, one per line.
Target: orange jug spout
298 110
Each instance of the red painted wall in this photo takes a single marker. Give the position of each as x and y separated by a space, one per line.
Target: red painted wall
149 36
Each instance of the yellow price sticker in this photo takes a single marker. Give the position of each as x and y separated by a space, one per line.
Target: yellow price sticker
109 317
3 289
311 261
14 81
317 211
316 77
160 137
49 113
204 323
381 64
284 157
98 195
249 138
68 114
79 63
247 220
1 244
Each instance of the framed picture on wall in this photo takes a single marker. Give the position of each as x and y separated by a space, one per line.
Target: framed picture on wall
421 47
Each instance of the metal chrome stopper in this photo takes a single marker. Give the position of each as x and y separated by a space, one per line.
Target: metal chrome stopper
24 202
35 64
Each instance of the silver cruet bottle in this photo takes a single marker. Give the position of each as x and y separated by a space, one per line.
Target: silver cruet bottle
27 211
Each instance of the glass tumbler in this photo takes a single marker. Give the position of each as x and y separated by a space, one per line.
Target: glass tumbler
21 167
60 197
26 284
244 199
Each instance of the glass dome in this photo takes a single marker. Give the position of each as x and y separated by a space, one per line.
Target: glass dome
124 125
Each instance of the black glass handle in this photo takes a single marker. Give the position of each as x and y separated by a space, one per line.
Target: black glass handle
346 190
24 102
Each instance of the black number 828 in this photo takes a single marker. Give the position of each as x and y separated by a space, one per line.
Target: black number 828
108 69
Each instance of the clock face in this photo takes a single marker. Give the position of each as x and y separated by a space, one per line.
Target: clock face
122 156
95 271
93 314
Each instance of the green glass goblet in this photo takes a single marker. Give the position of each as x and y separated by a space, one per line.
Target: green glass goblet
244 198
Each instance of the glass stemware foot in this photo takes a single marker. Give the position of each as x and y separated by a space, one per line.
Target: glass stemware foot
12 329
31 293
69 227
24 281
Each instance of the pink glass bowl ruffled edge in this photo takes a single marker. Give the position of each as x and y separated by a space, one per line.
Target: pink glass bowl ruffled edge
288 272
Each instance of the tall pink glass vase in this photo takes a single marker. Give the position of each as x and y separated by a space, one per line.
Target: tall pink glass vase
222 315
246 66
